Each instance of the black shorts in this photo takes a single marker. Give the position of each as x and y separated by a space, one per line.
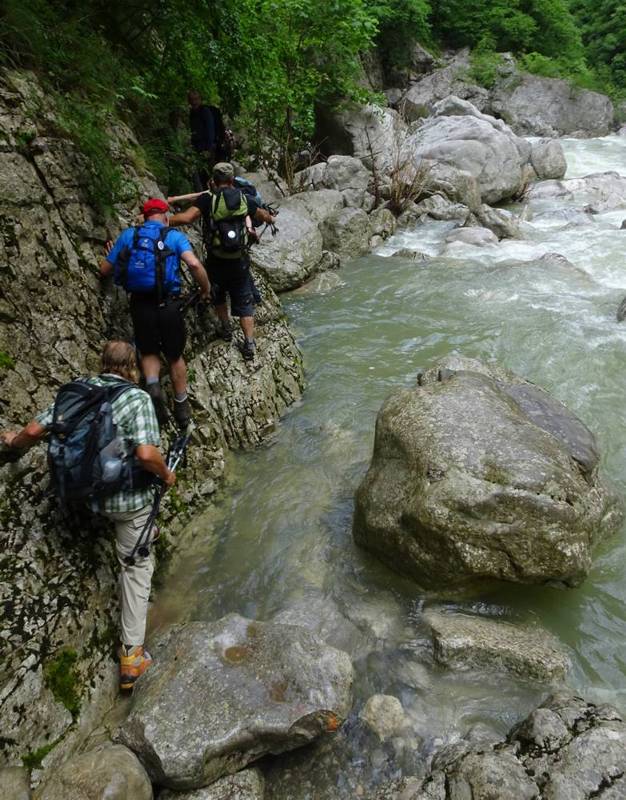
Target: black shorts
158 329
232 278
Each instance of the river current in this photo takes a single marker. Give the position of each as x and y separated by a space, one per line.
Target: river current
280 539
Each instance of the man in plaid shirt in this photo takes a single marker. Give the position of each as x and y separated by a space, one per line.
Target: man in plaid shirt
134 415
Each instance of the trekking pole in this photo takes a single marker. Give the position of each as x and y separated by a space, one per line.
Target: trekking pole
174 456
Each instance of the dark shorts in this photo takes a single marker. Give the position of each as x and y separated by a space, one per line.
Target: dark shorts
232 278
158 329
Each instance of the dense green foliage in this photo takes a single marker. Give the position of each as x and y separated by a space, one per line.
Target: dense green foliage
267 62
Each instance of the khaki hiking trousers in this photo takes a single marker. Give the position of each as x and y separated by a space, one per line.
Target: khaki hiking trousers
134 581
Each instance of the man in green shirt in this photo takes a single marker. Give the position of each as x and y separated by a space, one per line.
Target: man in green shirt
135 418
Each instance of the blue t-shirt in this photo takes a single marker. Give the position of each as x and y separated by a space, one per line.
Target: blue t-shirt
176 241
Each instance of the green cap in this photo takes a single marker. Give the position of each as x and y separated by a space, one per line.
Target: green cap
223 171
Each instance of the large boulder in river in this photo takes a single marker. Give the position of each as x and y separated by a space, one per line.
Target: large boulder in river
223 694
465 139
477 473
347 232
536 106
294 255
548 159
567 749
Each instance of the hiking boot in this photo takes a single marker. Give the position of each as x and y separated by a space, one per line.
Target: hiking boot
248 349
156 395
182 413
134 661
225 330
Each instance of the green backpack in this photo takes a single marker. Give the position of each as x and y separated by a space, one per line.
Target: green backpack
225 234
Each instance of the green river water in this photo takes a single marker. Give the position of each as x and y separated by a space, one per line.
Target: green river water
281 537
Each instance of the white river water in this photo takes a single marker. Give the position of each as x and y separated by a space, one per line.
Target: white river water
281 537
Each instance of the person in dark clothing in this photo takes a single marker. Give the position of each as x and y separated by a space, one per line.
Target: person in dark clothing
208 137
229 272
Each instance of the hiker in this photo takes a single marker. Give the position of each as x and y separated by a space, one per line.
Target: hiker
128 508
227 212
137 259
209 137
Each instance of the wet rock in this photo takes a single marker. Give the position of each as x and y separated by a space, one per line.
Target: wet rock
475 143
471 642
14 783
478 237
536 106
109 772
382 223
548 159
503 223
477 473
347 232
245 785
292 256
602 191
319 205
458 185
384 715
566 749
406 252
419 101
320 616
438 207
243 689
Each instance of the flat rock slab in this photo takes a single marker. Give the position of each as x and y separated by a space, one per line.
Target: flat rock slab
223 694
109 772
248 784
477 473
14 783
471 642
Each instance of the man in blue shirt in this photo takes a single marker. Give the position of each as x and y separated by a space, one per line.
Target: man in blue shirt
146 262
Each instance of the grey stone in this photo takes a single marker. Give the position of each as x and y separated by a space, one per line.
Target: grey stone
548 159
474 143
292 256
536 106
318 204
566 749
346 172
458 185
503 223
243 689
621 311
479 237
384 715
477 473
14 783
479 643
439 207
347 232
245 785
109 772
382 223
603 191
419 101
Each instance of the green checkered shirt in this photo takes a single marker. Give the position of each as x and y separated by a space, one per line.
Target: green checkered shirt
133 413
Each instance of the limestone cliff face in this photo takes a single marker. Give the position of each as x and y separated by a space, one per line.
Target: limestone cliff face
57 575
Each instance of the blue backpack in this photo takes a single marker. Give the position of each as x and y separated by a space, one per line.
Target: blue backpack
249 189
148 265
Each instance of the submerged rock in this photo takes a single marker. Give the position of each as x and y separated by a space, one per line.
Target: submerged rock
477 473
478 237
109 772
472 642
567 749
245 785
223 694
384 715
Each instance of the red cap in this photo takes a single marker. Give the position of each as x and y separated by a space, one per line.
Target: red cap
154 206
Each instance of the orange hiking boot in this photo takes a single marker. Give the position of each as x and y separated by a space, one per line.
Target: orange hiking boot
134 661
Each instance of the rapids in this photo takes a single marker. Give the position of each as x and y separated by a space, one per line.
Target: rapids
281 537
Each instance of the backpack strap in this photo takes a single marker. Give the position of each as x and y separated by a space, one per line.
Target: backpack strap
161 253
121 265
